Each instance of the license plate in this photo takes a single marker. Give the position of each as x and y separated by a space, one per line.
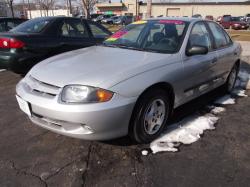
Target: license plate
24 106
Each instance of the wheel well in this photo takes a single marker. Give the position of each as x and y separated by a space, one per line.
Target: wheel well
161 85
237 63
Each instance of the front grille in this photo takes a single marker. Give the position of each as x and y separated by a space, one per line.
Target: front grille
41 88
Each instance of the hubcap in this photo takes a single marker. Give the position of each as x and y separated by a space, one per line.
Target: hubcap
232 79
154 116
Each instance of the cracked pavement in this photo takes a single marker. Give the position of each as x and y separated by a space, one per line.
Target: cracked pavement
32 156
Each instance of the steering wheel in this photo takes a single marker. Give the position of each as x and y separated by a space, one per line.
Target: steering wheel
170 42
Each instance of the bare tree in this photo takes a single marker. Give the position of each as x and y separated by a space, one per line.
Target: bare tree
88 6
10 4
46 5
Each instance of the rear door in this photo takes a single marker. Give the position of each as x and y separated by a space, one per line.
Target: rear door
73 34
225 51
199 69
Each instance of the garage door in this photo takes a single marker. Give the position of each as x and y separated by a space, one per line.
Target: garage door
173 12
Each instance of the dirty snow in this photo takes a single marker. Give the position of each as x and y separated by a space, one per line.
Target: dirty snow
243 80
144 152
190 129
225 100
240 92
217 110
1 70
186 132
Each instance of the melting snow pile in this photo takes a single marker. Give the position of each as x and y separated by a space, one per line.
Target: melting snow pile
190 129
185 132
225 100
243 80
2 70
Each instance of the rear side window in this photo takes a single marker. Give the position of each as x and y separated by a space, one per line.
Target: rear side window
97 31
32 26
73 28
199 36
219 35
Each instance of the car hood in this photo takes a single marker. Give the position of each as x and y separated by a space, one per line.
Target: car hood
97 66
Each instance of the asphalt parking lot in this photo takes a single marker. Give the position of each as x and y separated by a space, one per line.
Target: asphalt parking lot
31 156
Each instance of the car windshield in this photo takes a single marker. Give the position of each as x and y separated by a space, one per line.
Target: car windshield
32 26
163 36
235 18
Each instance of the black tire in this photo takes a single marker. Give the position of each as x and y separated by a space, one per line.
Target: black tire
137 129
229 85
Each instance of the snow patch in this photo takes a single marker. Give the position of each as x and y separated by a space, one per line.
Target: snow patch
1 70
225 100
239 92
185 132
217 110
243 80
144 152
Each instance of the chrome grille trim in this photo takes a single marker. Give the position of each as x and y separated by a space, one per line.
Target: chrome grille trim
42 88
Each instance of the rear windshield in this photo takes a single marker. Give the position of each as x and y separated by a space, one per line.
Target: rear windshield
32 26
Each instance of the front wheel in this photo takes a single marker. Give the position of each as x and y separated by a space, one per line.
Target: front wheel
150 116
231 80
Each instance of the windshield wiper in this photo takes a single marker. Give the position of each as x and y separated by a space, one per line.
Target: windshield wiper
129 47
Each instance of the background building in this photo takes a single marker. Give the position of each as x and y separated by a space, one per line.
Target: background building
177 8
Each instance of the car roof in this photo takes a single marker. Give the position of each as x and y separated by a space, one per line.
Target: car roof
57 18
187 19
9 18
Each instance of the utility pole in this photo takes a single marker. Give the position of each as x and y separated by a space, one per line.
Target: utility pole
149 8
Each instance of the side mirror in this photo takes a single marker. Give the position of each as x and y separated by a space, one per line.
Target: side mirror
197 50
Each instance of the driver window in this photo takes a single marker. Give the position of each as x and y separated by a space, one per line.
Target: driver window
199 36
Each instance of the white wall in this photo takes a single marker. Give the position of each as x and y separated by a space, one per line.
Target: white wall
41 13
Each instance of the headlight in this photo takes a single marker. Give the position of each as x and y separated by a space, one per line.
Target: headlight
85 94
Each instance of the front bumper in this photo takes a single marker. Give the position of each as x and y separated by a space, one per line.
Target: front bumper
98 121
240 26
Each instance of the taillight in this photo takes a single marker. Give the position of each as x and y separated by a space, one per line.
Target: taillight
11 43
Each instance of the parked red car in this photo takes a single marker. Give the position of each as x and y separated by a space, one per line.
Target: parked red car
209 17
233 23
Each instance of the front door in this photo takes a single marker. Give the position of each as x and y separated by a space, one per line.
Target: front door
199 70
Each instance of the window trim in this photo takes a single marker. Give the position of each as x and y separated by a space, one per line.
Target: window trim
210 37
87 23
67 21
224 32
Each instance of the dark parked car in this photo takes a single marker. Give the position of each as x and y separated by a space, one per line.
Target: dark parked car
7 24
233 23
110 20
124 20
40 38
102 17
197 16
94 16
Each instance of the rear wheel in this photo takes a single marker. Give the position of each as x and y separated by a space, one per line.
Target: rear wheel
150 116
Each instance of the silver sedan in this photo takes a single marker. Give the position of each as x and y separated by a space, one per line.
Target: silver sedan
132 82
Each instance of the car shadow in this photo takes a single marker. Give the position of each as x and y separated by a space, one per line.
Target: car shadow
198 104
